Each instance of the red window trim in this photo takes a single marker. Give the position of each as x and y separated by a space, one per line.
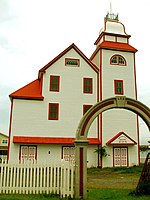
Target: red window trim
91 85
57 111
86 106
115 87
117 55
58 78
78 61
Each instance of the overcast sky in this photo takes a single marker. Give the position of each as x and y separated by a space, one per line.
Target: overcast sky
33 32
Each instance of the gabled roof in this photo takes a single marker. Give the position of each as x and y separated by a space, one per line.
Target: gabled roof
29 91
72 46
33 90
121 138
50 140
6 136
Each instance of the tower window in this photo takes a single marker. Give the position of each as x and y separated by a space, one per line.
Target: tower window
118 85
87 85
117 60
54 83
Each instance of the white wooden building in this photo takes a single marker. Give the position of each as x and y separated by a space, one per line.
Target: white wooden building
45 113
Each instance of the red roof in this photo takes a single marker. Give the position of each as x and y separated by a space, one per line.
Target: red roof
119 134
30 91
50 140
117 46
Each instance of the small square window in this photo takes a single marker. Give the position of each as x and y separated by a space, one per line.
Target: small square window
54 83
88 85
53 111
86 108
4 141
118 84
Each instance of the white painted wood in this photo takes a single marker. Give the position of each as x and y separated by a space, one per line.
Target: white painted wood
34 178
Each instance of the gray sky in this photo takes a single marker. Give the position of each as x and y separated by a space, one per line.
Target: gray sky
33 32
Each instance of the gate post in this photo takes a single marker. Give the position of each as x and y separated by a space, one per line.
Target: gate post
81 168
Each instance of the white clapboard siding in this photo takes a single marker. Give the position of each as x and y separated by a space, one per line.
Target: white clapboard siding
35 178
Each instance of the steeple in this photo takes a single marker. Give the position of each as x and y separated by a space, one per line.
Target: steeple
110 15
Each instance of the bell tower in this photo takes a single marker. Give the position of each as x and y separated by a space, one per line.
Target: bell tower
115 58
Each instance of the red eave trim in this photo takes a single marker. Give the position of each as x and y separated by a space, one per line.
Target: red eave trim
94 67
29 91
50 140
117 46
116 136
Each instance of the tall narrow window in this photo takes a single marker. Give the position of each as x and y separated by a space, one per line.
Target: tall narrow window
53 111
54 83
86 108
87 85
118 84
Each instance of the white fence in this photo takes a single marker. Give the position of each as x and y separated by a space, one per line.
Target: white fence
34 178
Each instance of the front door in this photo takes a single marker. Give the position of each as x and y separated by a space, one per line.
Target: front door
120 157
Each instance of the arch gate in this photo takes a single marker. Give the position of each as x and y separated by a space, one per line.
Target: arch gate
81 141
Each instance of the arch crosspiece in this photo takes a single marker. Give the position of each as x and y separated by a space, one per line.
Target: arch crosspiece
81 141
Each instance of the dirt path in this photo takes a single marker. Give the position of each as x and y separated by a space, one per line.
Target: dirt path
107 178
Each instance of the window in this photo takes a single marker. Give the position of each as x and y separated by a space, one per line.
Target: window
118 84
53 111
86 108
72 62
54 83
4 141
117 60
28 153
68 154
87 85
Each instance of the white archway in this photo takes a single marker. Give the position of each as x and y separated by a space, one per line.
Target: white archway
81 141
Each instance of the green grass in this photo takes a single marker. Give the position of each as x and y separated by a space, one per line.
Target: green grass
114 194
93 194
28 197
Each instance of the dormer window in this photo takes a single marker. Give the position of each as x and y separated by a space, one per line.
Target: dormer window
72 62
117 60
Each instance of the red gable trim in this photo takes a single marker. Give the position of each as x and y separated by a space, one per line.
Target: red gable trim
50 140
116 136
94 67
117 46
29 91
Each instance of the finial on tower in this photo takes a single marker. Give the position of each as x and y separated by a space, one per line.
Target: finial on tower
111 15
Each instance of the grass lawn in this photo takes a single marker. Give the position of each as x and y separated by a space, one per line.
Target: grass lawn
106 183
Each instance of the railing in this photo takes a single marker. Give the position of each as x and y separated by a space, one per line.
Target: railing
35 178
